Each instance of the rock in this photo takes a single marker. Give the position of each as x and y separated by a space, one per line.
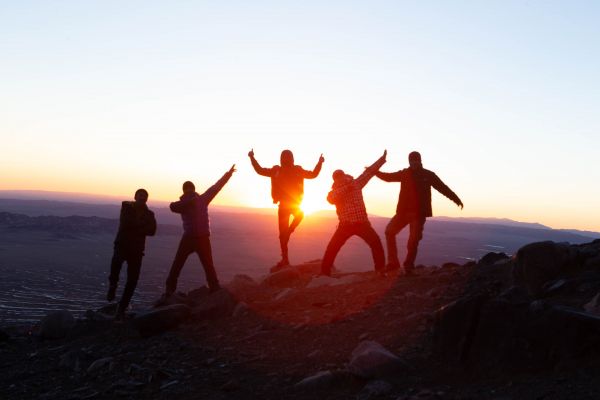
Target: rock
231 386
322 280
320 380
492 258
217 305
372 360
309 268
195 296
553 287
169 300
593 307
374 389
160 319
56 325
98 365
241 283
540 262
287 277
240 309
454 326
515 295
284 293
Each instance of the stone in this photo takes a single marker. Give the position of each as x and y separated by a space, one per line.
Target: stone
241 283
538 263
454 326
161 319
322 280
287 277
56 325
371 360
492 258
216 305
593 307
98 365
320 380
172 299
240 309
374 389
284 293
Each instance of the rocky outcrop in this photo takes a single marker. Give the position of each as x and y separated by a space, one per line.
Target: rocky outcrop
56 325
372 360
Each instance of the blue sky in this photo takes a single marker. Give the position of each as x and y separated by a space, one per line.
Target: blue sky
501 98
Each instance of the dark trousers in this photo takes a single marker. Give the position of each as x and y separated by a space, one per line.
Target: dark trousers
344 232
188 245
396 224
284 213
134 265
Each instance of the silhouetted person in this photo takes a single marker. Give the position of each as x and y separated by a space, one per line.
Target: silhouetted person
346 195
287 189
414 206
193 208
135 223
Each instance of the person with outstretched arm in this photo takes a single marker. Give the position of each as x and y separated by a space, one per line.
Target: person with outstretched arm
135 223
414 207
287 189
346 195
193 208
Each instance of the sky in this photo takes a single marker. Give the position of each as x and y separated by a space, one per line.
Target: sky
500 97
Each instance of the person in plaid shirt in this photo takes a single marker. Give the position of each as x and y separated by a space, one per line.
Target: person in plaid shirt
346 195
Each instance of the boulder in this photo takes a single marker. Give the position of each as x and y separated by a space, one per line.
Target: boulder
455 326
241 283
374 389
161 319
98 365
172 299
287 277
593 307
492 258
540 262
56 325
372 360
216 305
320 380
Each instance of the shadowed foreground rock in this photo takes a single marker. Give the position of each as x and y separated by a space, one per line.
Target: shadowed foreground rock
161 319
56 325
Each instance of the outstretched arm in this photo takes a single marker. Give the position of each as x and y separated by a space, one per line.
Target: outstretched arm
390 176
315 172
212 191
441 187
268 172
370 171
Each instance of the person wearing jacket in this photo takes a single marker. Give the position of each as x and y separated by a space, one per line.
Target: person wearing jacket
135 223
287 189
346 195
414 207
193 208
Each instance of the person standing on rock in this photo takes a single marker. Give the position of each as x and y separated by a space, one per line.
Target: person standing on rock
287 189
193 208
135 223
414 206
346 195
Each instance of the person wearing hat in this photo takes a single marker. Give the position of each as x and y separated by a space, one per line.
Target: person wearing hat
346 195
414 206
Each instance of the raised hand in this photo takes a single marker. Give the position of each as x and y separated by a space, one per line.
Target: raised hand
232 169
384 154
251 153
460 204
321 158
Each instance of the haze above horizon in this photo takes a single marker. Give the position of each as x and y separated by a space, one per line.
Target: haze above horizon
500 98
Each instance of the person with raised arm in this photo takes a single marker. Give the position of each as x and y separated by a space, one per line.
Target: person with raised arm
414 207
193 208
346 195
287 189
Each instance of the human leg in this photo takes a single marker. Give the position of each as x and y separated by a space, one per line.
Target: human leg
416 234
134 265
283 215
186 247
341 235
396 224
115 269
205 253
368 234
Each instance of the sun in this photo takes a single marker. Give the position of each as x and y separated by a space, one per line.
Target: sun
312 205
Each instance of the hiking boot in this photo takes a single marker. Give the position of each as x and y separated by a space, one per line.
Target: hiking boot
280 265
110 296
